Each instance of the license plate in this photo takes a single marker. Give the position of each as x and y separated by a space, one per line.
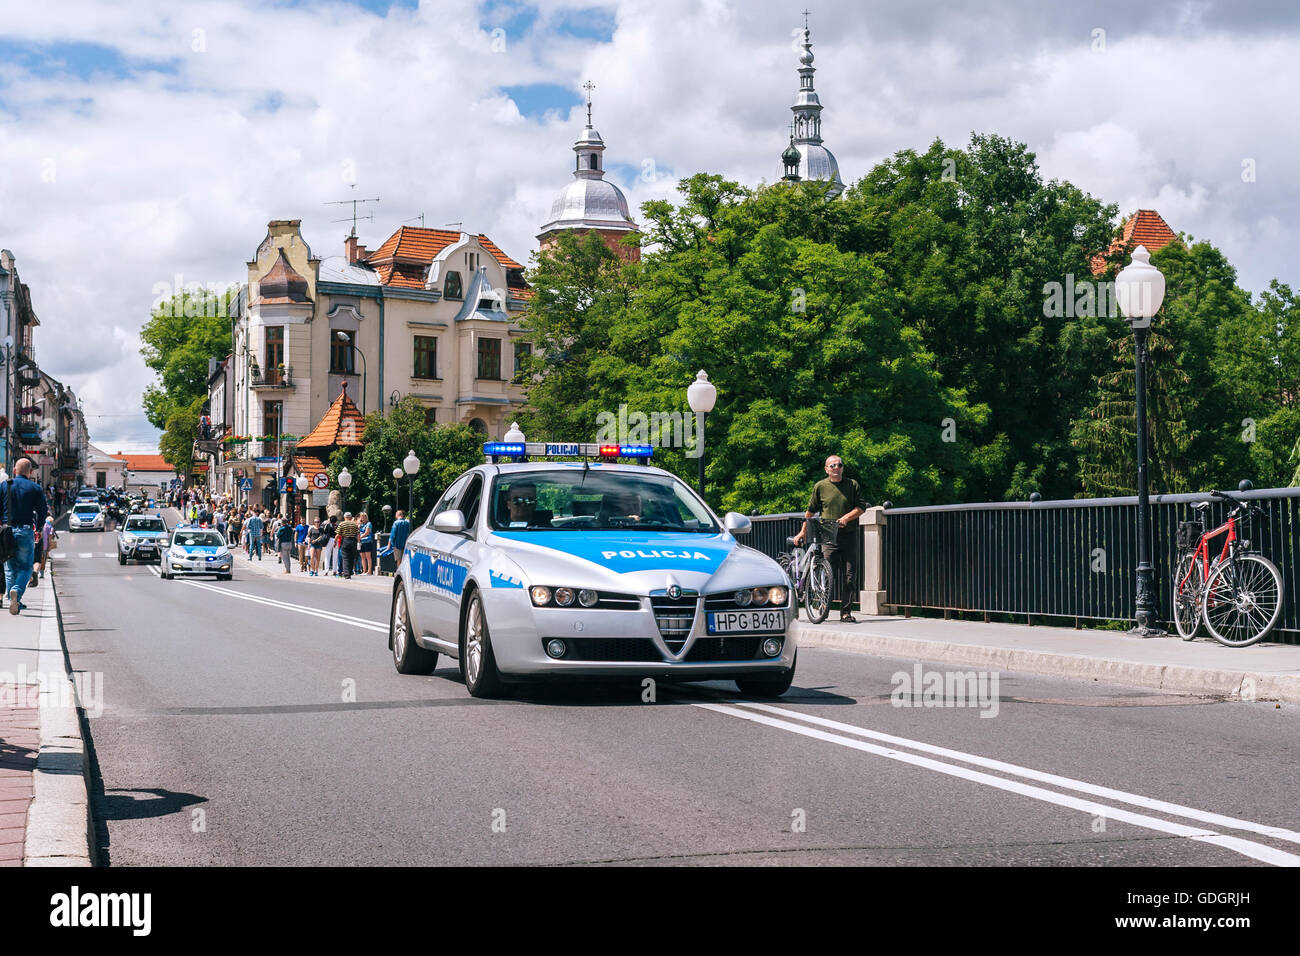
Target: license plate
745 622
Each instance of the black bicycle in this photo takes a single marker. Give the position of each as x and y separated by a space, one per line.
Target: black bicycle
809 569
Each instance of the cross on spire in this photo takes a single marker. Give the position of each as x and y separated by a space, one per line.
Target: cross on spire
589 86
805 19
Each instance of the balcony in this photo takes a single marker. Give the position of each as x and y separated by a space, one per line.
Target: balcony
271 379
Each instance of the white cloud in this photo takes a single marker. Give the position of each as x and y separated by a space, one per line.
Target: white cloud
166 172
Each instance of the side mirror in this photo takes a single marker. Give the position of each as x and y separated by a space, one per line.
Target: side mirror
449 522
736 523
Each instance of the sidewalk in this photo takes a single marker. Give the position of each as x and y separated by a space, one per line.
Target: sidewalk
44 807
270 567
1202 667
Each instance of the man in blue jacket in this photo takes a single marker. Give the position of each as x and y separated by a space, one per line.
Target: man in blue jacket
22 506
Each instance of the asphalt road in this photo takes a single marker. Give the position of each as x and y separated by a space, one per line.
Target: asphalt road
261 721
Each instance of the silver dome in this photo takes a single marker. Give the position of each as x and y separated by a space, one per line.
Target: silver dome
819 163
590 202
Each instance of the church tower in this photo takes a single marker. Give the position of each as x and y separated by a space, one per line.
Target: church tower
815 160
589 203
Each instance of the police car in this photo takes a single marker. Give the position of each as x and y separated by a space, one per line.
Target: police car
142 538
194 550
530 567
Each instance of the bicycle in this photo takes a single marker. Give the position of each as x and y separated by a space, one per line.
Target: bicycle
1239 594
809 569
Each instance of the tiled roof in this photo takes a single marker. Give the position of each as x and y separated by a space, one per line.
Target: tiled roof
145 462
404 257
342 424
1145 227
308 466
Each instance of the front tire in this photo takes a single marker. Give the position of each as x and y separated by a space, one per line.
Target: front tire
818 598
121 559
768 685
478 663
1187 596
1242 600
408 656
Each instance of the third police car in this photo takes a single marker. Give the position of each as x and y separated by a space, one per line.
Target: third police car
531 567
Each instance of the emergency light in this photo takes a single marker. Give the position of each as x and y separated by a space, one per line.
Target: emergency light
522 451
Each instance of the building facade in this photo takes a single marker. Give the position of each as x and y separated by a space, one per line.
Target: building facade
430 313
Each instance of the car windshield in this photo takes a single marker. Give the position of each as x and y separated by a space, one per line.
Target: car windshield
576 499
139 525
87 509
201 539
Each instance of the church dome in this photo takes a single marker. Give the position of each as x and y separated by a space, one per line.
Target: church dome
590 202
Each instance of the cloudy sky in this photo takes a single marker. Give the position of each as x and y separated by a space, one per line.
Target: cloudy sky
143 140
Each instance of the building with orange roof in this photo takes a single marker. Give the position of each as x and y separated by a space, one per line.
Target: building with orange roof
1145 227
430 313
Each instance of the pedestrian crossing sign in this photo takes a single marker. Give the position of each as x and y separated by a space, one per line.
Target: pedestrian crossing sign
246 484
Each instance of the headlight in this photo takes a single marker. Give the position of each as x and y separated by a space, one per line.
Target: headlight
541 596
778 595
761 595
564 596
128 539
743 598
587 597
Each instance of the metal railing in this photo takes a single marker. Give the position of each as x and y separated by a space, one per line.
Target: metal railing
1073 559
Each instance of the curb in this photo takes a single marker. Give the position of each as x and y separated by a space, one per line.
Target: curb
1174 678
59 827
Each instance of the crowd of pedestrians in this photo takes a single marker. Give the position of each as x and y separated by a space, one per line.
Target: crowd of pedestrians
341 546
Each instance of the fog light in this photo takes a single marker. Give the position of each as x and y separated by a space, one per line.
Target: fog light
564 596
556 648
771 647
541 596
587 597
743 598
778 596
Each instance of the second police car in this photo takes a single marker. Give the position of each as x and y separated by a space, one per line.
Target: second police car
197 550
529 569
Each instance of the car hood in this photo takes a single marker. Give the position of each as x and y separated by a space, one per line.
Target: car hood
637 562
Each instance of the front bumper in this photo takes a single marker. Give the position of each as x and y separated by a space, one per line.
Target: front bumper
140 552
200 566
520 632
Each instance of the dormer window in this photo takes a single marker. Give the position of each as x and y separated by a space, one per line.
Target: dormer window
451 288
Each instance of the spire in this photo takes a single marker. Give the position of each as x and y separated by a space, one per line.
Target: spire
790 159
815 161
589 146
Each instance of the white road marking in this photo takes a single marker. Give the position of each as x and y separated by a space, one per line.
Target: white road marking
110 554
1256 851
154 571
1148 803
285 605
85 554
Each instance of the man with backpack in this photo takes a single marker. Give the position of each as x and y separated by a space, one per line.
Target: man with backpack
23 509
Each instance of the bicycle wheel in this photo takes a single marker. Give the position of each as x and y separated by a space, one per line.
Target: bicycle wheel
1187 595
818 585
1242 600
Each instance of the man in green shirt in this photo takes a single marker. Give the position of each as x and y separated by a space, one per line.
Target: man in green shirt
839 499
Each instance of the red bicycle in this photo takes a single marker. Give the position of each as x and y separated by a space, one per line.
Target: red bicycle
1238 594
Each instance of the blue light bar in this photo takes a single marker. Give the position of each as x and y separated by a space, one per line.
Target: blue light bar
503 448
635 451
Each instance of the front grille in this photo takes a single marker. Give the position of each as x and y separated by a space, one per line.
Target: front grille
611 649
732 648
674 617
617 602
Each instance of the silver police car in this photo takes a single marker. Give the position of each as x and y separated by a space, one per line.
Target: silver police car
197 551
142 538
531 569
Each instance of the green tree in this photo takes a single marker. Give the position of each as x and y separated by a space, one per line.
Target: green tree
445 451
182 334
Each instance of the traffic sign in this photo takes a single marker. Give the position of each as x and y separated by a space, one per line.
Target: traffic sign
246 484
320 480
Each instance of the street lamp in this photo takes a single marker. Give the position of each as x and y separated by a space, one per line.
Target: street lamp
410 464
344 337
397 486
1139 290
387 509
345 482
701 395
301 482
